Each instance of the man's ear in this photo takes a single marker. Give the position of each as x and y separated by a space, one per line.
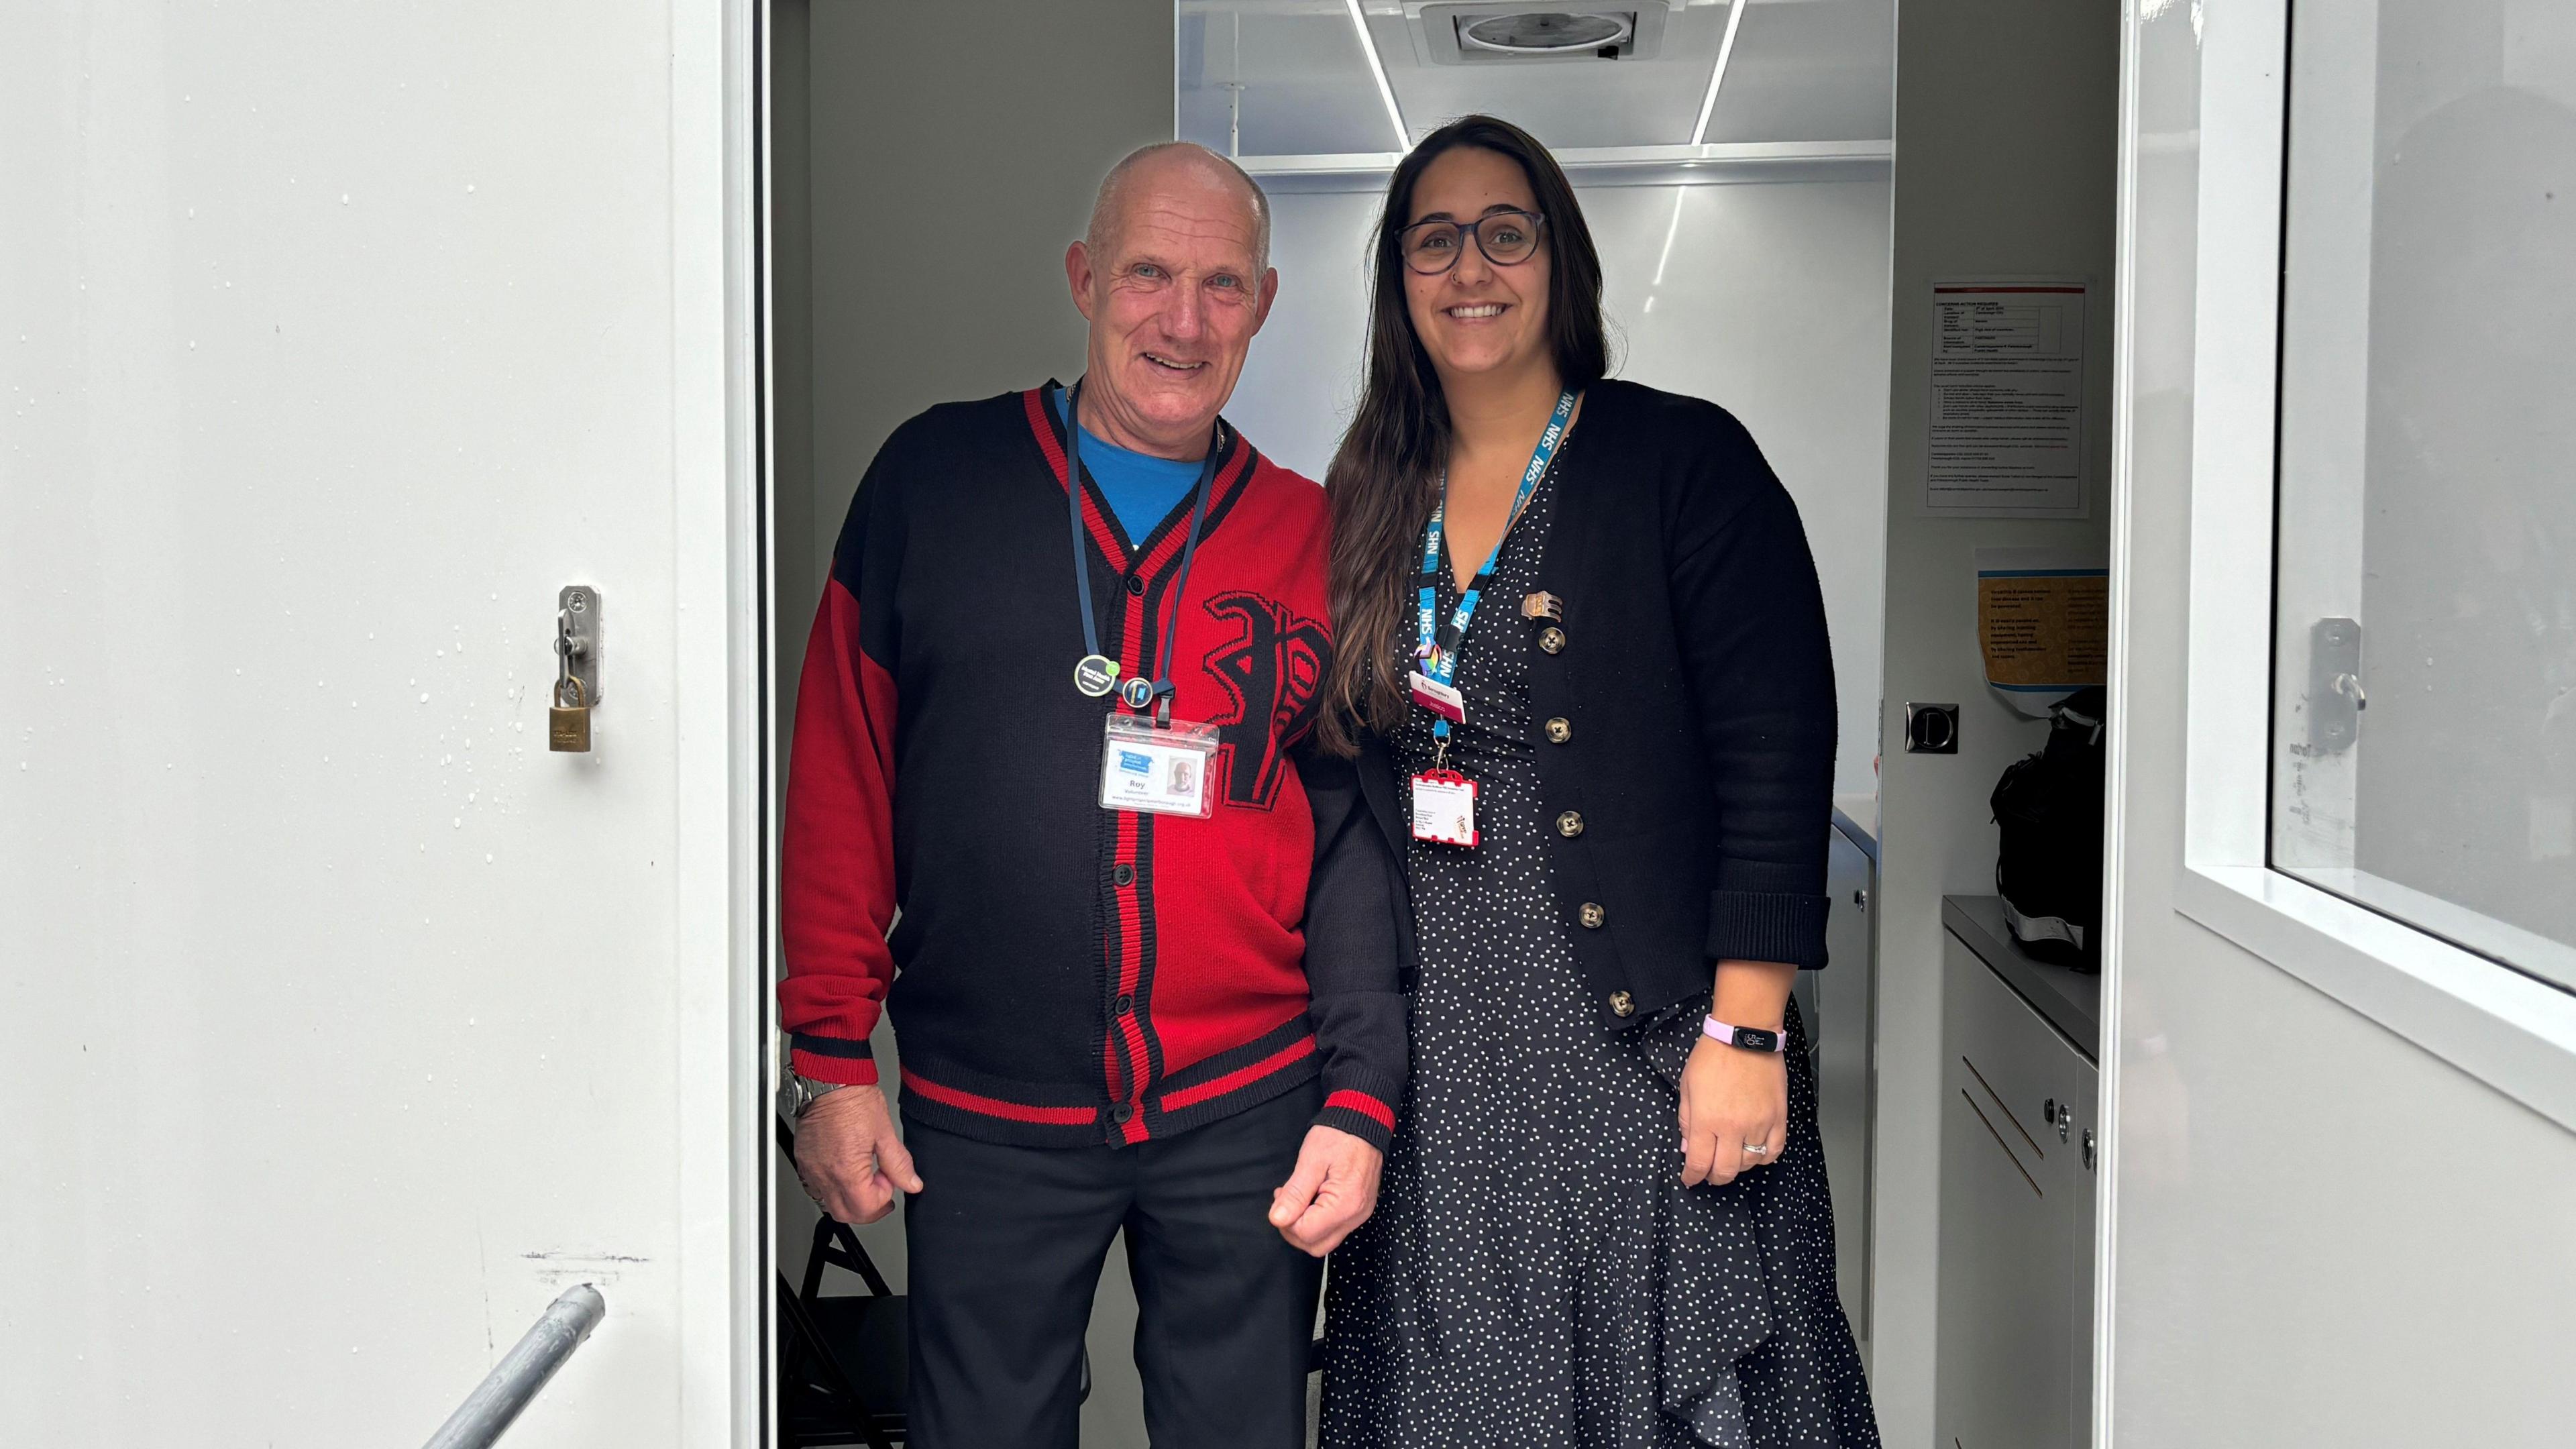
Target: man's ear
1077 275
1264 295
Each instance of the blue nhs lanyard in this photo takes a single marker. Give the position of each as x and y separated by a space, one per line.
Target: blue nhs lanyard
1137 693
1439 654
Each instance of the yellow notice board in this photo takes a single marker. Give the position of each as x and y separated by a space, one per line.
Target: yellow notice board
2043 620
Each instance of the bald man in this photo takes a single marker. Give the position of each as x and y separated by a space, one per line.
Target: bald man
1143 964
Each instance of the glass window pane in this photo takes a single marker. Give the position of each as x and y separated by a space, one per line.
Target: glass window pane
2424 719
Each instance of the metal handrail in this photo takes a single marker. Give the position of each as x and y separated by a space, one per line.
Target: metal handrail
496 1402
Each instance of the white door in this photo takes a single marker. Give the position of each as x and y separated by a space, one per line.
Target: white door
342 1025
2340 1014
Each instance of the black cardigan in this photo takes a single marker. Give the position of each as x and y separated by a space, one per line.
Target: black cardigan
1691 800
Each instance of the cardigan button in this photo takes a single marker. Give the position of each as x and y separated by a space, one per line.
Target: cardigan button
1124 1005
1135 584
1569 824
1124 875
1122 1111
1591 915
1558 731
1552 639
1622 1004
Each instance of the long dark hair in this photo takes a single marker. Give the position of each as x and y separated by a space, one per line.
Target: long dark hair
1383 480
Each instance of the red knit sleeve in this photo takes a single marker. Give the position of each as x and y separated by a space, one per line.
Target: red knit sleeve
836 858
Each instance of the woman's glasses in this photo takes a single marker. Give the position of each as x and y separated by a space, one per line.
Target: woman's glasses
1506 238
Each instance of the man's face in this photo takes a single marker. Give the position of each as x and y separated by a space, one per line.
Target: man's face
1174 299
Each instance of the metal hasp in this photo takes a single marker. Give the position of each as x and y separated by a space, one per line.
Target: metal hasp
495 1404
577 637
2335 698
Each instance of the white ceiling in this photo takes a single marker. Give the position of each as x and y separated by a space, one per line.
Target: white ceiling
1802 70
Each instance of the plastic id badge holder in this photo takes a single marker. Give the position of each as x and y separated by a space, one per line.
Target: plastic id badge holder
1444 807
1158 771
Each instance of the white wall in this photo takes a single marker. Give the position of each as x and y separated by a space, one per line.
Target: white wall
2324 1235
2005 158
1771 299
945 180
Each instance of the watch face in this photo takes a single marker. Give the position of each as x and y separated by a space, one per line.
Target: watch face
1754 1038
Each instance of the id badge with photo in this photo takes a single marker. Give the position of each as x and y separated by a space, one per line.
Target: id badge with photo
1444 807
1158 771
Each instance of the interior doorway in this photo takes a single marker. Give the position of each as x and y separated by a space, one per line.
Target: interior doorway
1734 160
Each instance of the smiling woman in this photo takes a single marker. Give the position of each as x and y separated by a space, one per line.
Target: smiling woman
1561 1074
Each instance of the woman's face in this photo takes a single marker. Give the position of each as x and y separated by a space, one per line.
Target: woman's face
1478 317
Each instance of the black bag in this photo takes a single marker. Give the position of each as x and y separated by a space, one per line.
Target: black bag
2049 869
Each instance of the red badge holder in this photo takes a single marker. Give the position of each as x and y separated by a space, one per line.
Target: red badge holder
1444 808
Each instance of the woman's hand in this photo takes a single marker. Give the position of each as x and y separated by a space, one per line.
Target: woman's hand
1731 1099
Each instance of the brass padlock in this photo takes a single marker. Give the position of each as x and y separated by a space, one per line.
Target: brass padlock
568 725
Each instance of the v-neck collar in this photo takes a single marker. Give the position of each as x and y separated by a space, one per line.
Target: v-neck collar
1236 460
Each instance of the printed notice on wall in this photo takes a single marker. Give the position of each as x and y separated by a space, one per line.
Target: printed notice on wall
2043 619
2007 424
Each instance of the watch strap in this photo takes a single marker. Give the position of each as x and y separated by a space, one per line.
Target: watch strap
1748 1038
808 1091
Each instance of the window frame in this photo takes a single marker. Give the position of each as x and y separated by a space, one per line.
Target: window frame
2510 1030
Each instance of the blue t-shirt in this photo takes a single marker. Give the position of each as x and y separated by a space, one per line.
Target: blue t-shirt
1141 488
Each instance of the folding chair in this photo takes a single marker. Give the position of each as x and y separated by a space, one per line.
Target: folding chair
842 1361
843 1366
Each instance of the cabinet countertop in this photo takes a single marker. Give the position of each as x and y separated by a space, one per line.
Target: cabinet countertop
2066 999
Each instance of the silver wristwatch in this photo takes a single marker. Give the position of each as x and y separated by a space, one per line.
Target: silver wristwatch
800 1094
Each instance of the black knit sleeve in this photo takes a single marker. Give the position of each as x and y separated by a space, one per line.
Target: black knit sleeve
1749 616
1353 954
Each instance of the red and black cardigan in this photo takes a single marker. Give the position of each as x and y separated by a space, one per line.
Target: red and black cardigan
1060 974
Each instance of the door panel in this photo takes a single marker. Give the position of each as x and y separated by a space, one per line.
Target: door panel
344 1024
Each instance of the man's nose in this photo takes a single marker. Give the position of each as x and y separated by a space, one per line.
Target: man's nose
1186 318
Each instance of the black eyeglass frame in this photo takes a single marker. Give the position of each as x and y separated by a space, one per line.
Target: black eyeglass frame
1466 230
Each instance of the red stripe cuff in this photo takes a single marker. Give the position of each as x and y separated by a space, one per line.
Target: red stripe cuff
1364 1104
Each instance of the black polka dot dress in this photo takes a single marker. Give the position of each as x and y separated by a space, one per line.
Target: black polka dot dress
1536 1275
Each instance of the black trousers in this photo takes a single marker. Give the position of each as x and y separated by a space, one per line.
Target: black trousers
1006 1245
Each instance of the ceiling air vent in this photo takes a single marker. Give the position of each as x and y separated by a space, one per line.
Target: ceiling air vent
1525 33
1544 33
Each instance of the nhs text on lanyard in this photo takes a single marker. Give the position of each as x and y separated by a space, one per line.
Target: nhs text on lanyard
1444 801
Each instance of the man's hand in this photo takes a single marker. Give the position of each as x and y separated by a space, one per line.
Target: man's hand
1731 1098
1333 1190
849 1157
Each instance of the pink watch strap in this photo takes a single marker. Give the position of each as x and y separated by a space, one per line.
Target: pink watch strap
1718 1031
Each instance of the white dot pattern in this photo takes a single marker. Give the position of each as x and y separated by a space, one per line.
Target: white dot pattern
1536 1275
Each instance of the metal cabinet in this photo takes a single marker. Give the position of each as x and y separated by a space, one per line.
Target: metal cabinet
2016 1241
1840 1007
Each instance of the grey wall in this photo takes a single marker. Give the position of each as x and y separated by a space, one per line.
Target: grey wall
944 180
796 580
2006 114
947 180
